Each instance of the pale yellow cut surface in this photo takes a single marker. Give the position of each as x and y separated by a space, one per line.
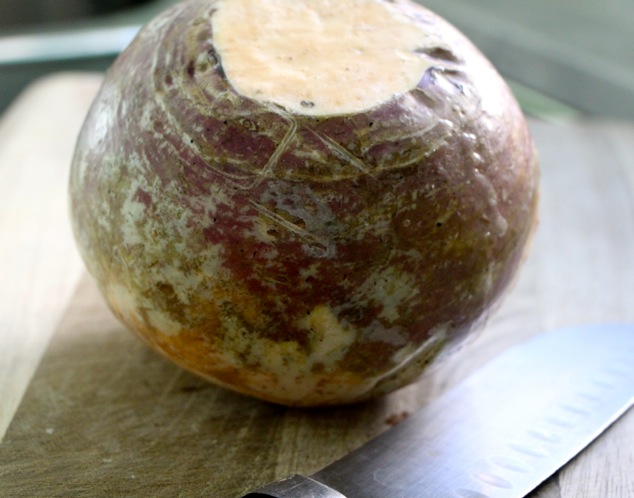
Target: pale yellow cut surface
319 57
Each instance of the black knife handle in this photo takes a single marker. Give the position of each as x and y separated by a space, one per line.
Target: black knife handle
295 486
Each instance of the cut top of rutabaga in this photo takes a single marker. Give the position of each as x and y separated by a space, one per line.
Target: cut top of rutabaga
321 57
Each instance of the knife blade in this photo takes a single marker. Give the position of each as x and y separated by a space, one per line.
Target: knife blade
500 433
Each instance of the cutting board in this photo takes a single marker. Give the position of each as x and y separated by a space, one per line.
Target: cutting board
87 410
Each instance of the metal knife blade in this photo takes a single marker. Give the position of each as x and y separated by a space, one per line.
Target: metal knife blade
500 433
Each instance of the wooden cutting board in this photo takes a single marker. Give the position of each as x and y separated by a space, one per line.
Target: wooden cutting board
87 410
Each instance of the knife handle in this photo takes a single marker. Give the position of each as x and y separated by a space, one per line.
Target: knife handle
295 486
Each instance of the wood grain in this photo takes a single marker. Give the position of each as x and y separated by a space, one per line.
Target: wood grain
104 416
39 264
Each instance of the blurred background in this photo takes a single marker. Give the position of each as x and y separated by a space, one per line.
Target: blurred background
563 59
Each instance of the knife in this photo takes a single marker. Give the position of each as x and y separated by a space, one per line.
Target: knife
498 434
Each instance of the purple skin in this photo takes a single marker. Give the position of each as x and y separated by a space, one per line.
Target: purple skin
298 259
